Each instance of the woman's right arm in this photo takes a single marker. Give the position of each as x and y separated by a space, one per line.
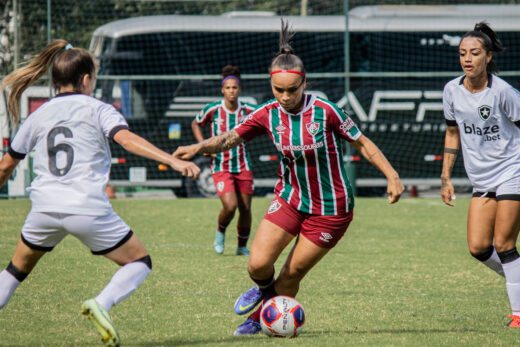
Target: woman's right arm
215 144
7 166
140 146
451 149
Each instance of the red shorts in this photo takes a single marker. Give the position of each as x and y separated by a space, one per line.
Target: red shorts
226 182
324 231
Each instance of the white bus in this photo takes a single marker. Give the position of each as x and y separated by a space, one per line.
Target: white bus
160 70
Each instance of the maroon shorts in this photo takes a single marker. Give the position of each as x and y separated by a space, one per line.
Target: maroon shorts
324 231
226 182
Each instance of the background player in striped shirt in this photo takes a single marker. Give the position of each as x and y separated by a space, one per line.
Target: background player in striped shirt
231 170
482 113
69 137
314 198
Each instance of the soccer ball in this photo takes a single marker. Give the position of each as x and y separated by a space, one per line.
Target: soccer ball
282 316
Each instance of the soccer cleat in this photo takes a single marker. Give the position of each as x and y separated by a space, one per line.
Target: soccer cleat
248 300
219 242
101 320
249 327
515 321
242 251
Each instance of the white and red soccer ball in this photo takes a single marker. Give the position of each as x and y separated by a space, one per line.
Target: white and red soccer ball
282 316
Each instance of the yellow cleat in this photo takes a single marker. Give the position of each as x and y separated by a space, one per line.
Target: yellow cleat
101 320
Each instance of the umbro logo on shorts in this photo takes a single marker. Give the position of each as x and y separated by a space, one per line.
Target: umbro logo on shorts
220 186
325 237
275 206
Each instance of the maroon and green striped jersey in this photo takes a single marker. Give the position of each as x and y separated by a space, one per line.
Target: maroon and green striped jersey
312 177
221 119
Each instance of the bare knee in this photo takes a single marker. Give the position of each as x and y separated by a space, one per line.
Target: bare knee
259 269
504 244
229 209
478 248
128 252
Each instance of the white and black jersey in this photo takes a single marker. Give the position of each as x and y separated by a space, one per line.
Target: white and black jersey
488 123
69 135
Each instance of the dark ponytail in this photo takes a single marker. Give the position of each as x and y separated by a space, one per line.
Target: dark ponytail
489 40
286 59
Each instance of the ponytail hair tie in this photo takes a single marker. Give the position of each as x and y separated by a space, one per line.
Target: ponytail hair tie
68 46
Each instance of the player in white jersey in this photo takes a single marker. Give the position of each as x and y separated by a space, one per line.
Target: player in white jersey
482 114
69 136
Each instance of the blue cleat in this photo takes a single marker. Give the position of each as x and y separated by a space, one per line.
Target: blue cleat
242 251
219 242
248 300
249 327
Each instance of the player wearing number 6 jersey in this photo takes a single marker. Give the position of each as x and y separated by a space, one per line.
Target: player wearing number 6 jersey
69 135
482 114
231 170
314 200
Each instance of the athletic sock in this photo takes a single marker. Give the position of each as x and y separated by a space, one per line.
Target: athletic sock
511 264
222 227
8 284
124 282
490 258
243 236
256 315
263 285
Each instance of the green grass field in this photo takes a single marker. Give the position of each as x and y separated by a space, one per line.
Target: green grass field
402 276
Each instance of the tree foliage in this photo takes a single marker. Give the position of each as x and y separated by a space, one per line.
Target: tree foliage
76 20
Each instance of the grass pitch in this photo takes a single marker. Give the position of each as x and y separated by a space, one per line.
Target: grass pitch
402 276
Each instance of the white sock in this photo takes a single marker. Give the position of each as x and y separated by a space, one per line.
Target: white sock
512 272
494 263
124 282
8 284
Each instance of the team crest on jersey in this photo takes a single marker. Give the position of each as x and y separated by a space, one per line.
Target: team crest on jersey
280 129
484 111
220 186
275 206
313 128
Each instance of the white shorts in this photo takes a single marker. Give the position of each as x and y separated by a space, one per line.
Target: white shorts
509 190
102 234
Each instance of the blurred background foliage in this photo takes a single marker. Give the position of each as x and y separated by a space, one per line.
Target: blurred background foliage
75 20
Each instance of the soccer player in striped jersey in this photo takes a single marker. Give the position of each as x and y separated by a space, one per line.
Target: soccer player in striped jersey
482 113
69 136
231 170
314 200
